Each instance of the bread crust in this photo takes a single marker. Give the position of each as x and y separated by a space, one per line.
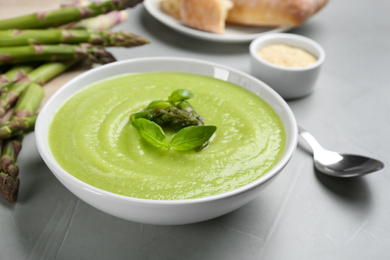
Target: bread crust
273 12
205 15
171 7
211 15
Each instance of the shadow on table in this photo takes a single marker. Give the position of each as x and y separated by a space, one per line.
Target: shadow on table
353 189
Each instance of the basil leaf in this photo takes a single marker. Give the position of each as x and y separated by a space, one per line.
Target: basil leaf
191 137
180 95
158 104
151 132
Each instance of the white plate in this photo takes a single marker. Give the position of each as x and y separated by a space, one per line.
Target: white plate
232 33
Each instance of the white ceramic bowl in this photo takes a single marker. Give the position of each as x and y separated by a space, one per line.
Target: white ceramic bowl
160 211
289 82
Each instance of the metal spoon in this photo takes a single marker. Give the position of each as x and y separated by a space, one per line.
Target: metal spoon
339 165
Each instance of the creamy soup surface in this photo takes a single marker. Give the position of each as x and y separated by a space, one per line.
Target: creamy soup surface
91 138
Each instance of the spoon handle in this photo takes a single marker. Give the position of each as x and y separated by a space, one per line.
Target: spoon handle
310 140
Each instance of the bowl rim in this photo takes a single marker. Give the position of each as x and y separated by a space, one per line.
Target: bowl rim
253 48
62 175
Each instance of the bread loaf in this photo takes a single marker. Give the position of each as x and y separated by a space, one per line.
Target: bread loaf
273 12
171 7
211 15
206 15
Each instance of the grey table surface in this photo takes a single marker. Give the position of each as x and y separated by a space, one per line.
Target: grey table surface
301 215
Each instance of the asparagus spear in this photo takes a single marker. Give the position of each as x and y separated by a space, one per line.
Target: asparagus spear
99 23
23 121
13 75
20 54
57 36
17 126
61 16
179 117
28 103
170 116
40 75
9 181
174 112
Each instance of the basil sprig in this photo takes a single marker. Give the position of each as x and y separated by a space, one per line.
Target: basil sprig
186 139
175 112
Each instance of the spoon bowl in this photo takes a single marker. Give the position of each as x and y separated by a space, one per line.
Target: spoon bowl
336 164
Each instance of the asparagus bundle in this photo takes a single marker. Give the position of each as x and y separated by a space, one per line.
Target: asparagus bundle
57 36
22 121
19 54
27 44
62 16
42 38
40 76
26 106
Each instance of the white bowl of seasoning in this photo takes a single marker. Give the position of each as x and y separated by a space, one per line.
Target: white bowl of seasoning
288 63
157 211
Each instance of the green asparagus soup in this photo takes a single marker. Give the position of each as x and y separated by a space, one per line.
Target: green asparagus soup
92 139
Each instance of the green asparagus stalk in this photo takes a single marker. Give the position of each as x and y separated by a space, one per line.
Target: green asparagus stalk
170 116
102 22
28 103
174 112
40 76
19 54
61 16
17 126
23 121
9 181
57 36
13 75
